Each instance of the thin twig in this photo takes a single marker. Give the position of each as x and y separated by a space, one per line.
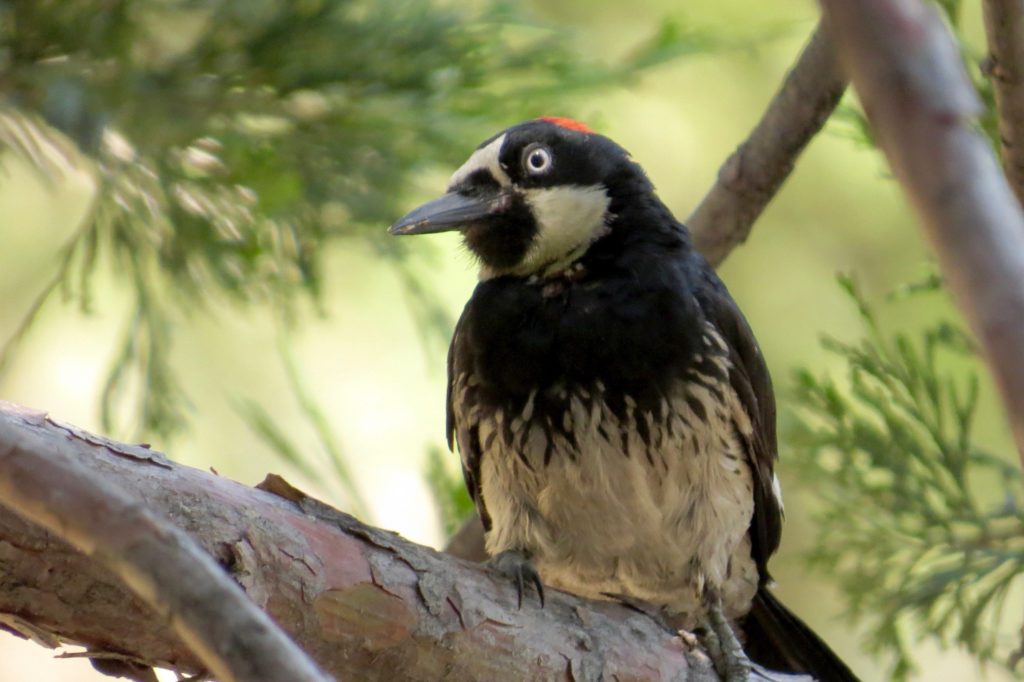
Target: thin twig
67 255
1004 27
753 174
920 104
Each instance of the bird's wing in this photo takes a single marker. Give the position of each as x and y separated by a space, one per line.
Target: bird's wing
463 432
749 378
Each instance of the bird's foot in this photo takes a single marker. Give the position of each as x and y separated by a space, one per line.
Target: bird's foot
723 646
516 565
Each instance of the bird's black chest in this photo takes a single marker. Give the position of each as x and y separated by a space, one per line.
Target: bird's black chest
632 332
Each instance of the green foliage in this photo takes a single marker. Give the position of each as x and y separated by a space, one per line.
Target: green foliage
451 498
232 140
908 527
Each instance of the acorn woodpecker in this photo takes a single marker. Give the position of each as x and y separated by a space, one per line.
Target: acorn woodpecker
613 412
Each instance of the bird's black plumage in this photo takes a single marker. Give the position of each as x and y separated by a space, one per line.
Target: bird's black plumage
603 380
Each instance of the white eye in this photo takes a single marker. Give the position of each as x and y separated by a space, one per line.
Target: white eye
537 160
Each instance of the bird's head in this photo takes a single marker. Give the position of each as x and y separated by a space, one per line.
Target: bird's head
533 198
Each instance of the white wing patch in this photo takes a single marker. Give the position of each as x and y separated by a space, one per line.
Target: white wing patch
777 491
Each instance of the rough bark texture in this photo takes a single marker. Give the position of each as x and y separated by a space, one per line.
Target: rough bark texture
1004 28
183 585
910 78
362 602
753 174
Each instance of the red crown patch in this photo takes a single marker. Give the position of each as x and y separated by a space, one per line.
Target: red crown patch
567 123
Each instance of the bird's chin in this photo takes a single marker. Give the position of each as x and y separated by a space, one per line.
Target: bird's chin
500 247
478 238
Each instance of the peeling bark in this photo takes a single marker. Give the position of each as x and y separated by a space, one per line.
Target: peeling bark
362 602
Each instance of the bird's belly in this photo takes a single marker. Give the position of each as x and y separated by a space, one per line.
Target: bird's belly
655 513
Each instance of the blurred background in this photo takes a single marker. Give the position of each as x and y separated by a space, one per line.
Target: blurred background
198 259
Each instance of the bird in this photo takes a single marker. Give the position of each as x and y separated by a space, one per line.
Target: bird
613 412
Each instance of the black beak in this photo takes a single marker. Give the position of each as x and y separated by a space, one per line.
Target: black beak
453 211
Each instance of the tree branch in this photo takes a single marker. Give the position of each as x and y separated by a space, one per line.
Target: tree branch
753 174
362 602
235 640
1004 27
919 101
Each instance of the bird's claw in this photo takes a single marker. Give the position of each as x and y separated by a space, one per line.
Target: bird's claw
516 564
723 646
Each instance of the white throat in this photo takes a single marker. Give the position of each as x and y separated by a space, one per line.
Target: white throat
569 219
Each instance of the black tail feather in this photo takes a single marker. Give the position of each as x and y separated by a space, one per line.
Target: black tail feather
778 640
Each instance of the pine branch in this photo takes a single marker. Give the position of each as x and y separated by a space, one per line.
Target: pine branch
362 602
1004 27
750 178
922 526
919 101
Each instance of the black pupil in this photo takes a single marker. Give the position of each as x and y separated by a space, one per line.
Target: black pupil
537 160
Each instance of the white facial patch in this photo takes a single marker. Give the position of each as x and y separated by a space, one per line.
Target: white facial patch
569 218
485 158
